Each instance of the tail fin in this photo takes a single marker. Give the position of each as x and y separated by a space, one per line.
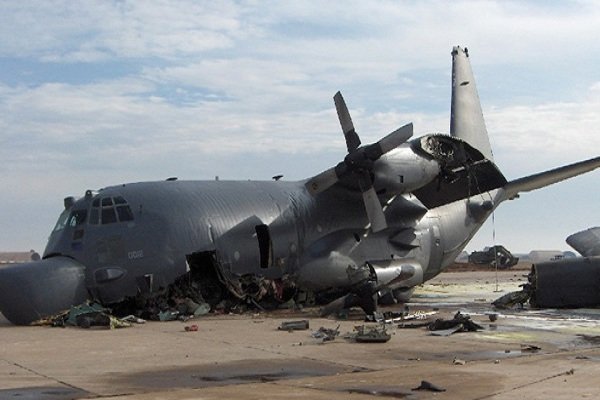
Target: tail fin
466 117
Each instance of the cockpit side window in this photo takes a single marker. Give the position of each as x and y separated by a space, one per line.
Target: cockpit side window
77 217
110 210
70 219
62 221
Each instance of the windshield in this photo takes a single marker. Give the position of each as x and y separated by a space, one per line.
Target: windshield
70 218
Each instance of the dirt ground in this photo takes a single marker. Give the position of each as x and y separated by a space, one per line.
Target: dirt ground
532 354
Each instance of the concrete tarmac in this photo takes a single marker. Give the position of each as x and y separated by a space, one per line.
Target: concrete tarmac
247 357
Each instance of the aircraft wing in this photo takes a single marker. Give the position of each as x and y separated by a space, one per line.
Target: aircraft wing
537 181
587 242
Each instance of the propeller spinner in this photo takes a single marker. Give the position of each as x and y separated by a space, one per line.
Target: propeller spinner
360 161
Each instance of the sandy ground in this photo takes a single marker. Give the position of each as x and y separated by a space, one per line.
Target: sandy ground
247 357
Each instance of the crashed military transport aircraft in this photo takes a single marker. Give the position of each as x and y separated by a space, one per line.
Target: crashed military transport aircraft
388 217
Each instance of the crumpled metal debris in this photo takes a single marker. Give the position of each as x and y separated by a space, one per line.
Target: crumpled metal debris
512 299
459 323
325 334
370 334
85 315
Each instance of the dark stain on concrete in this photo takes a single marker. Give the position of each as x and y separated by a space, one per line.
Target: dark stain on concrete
228 373
44 393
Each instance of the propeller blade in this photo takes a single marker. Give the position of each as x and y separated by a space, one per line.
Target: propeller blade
374 210
396 138
322 181
352 139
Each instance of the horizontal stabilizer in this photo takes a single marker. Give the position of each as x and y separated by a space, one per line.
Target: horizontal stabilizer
537 181
587 242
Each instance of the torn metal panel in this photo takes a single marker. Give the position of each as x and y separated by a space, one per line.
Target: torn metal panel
464 171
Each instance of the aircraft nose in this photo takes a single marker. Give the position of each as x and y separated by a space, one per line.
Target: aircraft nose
39 289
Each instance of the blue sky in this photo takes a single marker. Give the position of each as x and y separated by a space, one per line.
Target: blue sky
106 92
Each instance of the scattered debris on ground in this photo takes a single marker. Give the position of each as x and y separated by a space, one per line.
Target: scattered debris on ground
459 323
512 299
325 334
88 315
301 325
370 334
458 361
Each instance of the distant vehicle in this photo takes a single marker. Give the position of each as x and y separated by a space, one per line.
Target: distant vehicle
494 256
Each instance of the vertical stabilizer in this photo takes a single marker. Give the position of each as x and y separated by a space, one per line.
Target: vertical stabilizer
466 117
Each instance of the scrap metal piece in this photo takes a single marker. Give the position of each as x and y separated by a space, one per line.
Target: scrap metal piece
510 300
326 334
371 334
459 323
301 325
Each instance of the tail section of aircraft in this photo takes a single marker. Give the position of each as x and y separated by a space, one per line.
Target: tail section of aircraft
466 117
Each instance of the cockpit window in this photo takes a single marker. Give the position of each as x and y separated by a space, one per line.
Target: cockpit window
71 219
110 210
108 215
77 217
119 200
124 213
62 221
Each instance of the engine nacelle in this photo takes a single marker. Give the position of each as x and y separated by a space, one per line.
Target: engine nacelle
403 170
334 271
397 273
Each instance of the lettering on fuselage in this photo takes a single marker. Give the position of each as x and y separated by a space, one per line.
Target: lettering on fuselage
135 254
